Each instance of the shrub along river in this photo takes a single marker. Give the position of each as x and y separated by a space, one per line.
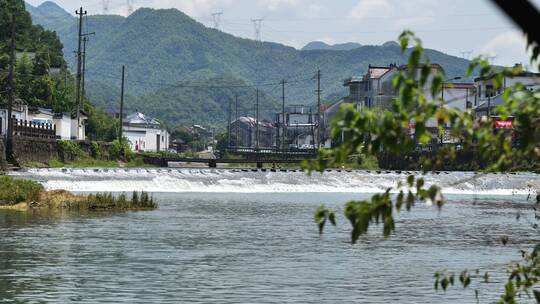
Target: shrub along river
224 236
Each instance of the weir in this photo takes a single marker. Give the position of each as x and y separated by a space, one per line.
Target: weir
275 181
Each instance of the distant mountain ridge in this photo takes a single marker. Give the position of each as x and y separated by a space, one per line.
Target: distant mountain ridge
162 48
319 45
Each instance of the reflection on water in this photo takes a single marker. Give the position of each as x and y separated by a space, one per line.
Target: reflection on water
253 248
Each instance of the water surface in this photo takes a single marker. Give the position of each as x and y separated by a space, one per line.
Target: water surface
255 248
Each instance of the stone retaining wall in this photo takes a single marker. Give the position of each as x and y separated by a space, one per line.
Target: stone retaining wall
2 154
32 149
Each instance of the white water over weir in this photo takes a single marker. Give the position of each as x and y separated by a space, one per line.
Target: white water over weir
257 181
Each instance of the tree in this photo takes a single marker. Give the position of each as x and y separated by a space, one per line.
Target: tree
374 131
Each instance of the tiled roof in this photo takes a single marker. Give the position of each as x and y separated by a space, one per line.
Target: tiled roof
140 118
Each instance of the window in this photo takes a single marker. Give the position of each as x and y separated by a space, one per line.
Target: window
162 138
489 91
480 91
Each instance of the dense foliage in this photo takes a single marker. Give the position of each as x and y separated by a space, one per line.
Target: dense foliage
164 48
374 130
38 51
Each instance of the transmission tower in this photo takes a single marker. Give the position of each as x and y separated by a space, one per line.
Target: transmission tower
129 4
217 19
105 7
466 54
257 23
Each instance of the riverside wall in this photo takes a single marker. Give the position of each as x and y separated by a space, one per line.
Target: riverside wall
33 149
2 154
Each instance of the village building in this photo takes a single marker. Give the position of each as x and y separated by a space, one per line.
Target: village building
145 133
19 112
66 126
297 127
488 98
375 90
244 129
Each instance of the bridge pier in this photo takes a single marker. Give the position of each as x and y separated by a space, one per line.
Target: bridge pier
259 165
212 163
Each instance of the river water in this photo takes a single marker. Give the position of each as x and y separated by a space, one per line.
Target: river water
221 236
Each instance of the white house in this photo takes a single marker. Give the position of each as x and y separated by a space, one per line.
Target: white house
64 122
19 111
78 126
145 133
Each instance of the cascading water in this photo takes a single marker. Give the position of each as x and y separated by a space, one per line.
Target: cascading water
257 181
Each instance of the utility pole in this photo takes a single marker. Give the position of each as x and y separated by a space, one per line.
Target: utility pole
229 125
80 13
121 132
318 109
236 110
83 92
283 123
11 96
85 39
257 122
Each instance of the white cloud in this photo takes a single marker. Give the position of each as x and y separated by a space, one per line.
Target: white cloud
508 48
367 8
274 5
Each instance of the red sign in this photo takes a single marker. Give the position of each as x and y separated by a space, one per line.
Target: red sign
503 124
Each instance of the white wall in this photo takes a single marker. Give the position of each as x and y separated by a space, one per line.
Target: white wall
63 127
457 97
143 139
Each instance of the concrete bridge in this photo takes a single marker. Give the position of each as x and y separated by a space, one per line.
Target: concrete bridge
256 158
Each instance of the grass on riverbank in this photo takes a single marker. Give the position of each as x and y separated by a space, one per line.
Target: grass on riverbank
26 195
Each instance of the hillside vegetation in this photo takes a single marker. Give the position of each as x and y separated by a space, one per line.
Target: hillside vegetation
162 48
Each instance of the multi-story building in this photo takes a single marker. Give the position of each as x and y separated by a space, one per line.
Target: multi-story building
488 98
245 130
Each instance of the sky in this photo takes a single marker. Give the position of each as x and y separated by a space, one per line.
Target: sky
464 28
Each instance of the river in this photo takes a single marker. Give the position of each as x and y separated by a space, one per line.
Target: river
223 236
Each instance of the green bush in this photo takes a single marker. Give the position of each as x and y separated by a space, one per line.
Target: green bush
95 150
14 191
121 150
69 150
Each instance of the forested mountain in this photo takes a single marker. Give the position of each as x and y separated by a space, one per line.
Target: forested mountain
319 45
163 48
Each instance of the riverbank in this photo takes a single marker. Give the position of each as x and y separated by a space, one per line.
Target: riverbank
25 195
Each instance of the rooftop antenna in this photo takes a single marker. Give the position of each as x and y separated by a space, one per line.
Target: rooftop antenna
257 23
129 4
217 19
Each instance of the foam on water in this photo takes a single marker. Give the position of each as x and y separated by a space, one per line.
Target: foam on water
256 181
